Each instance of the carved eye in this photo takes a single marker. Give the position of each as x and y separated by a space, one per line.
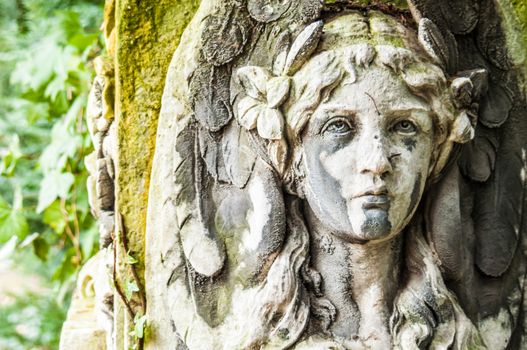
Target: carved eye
405 127
338 126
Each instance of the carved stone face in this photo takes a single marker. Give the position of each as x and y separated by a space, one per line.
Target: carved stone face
367 152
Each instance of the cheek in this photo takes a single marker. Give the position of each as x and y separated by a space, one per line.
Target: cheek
410 172
323 187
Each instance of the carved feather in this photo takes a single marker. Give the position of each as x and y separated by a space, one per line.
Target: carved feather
498 208
461 16
210 96
193 214
495 107
490 37
238 155
267 10
441 46
303 46
221 43
478 157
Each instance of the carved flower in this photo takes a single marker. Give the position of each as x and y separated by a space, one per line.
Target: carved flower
261 107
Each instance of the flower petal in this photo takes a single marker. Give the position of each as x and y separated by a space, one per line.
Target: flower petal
253 79
271 124
277 91
248 110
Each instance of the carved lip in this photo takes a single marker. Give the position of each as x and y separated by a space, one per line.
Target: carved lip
373 191
375 198
376 202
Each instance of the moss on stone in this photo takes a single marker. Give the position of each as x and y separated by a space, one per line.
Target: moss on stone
147 36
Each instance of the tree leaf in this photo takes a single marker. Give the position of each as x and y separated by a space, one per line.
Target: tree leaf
53 217
130 288
12 222
130 260
54 185
139 326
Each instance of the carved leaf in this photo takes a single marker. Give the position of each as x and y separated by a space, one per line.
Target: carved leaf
277 150
277 91
267 10
248 111
462 91
303 46
209 149
281 46
254 81
270 124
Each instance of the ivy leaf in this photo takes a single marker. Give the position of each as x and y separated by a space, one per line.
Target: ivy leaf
41 248
54 185
139 326
130 288
88 239
54 218
130 260
12 222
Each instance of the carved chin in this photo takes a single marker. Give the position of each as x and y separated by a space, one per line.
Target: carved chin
376 225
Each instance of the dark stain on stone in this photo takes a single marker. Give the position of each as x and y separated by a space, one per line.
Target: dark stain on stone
415 193
409 143
377 224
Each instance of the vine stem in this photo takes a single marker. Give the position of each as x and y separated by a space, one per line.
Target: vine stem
73 237
118 286
124 240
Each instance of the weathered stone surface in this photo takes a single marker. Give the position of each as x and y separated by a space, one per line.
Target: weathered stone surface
321 124
304 190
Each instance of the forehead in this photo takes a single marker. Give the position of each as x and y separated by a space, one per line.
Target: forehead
375 87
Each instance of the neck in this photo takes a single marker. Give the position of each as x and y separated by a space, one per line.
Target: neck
360 280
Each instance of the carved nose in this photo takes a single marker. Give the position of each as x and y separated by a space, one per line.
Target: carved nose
375 161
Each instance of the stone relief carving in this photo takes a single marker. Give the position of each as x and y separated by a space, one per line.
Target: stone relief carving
90 320
309 187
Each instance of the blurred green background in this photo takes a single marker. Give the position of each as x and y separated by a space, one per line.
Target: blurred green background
46 229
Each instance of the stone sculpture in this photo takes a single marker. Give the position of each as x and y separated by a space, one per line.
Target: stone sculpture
306 191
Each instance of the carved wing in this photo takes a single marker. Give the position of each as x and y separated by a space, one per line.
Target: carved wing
221 202
476 222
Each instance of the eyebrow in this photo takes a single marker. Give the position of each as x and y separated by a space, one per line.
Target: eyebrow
341 108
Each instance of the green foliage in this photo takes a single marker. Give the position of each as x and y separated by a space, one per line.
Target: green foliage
31 322
46 50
